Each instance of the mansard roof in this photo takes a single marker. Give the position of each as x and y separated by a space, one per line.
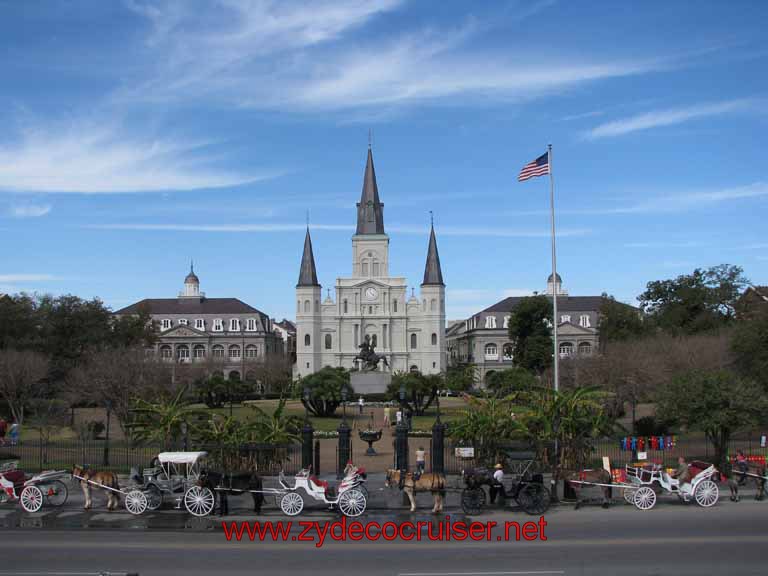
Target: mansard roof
201 306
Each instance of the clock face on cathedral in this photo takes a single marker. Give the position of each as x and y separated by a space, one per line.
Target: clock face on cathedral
371 293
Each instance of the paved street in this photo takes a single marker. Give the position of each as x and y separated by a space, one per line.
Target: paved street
673 538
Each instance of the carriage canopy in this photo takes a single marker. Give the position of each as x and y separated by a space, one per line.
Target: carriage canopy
181 457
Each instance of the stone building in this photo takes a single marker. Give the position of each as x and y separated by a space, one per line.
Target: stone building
483 338
226 332
408 330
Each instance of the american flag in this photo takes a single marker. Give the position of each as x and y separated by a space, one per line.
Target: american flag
538 167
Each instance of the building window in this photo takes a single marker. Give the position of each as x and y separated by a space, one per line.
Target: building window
251 351
491 352
200 324
414 341
424 304
394 305
218 325
490 321
565 318
365 268
250 325
434 364
374 341
182 352
166 353
234 325
506 322
183 322
234 352
370 309
218 351
584 321
307 364
317 305
566 349
585 348
306 306
508 351
434 339
346 306
166 324
328 342
306 340
234 375
433 305
199 351
414 368
375 268
298 306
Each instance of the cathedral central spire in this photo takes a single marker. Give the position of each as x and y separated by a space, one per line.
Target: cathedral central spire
308 272
370 210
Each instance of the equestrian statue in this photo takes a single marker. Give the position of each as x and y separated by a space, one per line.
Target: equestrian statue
370 360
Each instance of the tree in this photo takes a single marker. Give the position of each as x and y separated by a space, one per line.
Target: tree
277 427
420 390
716 402
529 330
504 382
18 323
164 420
460 378
324 389
618 322
22 375
134 330
750 349
701 301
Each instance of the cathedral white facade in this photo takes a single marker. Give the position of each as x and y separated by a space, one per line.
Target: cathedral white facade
409 330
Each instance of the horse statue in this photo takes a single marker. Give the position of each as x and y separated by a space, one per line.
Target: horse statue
596 476
410 484
368 355
101 480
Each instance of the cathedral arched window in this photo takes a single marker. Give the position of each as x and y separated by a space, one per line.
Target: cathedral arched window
328 342
306 306
346 306
375 268
298 305
394 305
424 304
433 305
365 268
306 340
434 339
414 341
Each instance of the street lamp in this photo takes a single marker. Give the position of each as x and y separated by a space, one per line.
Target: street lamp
306 404
344 395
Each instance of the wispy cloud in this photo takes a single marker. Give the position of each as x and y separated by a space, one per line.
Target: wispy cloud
666 117
29 210
293 227
687 244
89 159
15 278
303 56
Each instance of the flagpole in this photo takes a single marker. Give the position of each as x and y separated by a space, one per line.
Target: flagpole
554 267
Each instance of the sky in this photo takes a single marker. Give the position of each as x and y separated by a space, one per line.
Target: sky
138 135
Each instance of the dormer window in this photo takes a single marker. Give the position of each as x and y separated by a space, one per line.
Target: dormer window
506 322
250 325
183 322
565 318
200 324
234 325
490 322
166 324
584 321
218 325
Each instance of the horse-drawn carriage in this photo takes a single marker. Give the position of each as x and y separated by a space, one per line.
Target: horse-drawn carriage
350 495
31 492
527 489
643 483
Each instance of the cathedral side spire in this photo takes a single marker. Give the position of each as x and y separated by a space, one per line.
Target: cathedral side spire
370 210
433 274
308 272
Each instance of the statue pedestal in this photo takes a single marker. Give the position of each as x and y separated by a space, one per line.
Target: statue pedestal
370 382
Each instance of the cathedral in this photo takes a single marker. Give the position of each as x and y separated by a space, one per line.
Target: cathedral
409 331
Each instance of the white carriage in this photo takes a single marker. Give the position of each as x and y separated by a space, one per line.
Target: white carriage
350 495
32 492
643 483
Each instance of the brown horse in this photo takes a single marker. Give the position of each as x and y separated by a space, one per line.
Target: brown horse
431 482
597 476
102 480
738 477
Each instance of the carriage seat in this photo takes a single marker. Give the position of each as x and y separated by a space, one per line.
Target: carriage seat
319 483
17 477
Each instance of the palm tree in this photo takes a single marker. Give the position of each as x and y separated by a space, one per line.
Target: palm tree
165 419
277 427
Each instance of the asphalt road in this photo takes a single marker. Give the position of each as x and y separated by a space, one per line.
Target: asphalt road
673 538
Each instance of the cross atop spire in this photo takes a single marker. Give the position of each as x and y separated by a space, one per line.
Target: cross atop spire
308 272
370 210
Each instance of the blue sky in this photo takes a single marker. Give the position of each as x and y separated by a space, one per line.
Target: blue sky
139 134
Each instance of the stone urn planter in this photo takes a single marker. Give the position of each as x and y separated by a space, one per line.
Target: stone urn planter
370 436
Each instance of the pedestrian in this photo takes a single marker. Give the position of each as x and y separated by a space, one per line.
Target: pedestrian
497 484
360 404
3 429
386 416
420 460
13 433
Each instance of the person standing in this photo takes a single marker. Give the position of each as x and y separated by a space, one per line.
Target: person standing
421 460
386 417
13 433
399 416
360 404
3 430
497 484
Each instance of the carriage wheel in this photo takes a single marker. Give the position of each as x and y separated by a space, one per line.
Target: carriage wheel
534 499
472 500
352 502
136 502
364 490
645 498
629 495
199 501
3 497
31 499
706 493
56 493
292 503
154 497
